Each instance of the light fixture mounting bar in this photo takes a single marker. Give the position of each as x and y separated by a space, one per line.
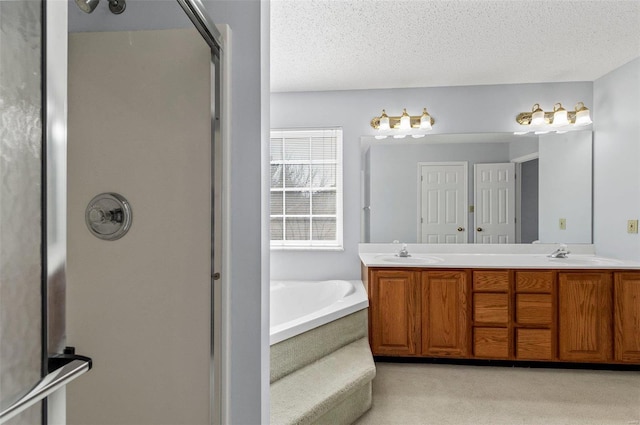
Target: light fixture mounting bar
524 118
578 117
394 122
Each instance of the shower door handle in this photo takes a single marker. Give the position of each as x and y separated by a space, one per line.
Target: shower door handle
50 383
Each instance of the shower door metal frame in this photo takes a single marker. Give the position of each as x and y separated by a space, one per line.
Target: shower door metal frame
57 367
51 389
196 12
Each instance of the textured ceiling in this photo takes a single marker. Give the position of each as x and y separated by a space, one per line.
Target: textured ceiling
364 44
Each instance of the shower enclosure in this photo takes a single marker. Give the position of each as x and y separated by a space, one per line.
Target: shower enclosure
35 362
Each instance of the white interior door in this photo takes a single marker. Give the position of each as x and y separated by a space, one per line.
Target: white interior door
443 203
495 203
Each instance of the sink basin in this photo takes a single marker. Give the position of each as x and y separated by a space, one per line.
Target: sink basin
414 259
586 261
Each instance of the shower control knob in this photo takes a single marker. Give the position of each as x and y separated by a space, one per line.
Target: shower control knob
96 215
108 216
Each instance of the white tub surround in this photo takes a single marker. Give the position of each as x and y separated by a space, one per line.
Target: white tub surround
321 362
516 256
299 306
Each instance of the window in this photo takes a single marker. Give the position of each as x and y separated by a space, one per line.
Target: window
306 188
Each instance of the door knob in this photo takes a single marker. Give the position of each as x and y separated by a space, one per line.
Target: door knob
479 229
460 229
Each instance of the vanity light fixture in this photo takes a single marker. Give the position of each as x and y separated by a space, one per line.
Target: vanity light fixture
405 120
560 117
559 120
404 125
582 115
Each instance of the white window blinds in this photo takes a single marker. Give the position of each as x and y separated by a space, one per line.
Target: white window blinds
306 188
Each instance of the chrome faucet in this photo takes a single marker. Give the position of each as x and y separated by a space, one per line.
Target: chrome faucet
561 252
404 252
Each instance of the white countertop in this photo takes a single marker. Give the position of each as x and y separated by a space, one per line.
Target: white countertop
534 257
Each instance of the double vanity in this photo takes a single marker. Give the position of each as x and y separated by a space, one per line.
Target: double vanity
502 302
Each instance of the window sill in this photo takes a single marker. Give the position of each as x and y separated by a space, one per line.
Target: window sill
307 248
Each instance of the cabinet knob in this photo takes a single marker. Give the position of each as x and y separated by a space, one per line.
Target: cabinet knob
479 229
460 229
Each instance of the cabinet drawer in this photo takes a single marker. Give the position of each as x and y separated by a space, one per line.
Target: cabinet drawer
534 309
491 308
491 343
491 281
534 282
533 344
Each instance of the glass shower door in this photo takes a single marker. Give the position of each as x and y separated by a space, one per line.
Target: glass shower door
22 361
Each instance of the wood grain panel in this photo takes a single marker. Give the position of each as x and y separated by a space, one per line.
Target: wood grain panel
585 316
627 317
491 308
395 312
445 323
534 282
491 281
534 309
491 343
534 344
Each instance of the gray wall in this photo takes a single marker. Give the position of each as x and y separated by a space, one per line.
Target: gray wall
616 161
248 285
565 187
245 340
529 197
469 109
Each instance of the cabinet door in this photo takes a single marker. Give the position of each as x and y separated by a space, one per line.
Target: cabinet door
627 317
585 316
395 312
445 323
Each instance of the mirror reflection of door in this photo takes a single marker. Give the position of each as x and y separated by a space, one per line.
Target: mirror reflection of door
494 203
443 202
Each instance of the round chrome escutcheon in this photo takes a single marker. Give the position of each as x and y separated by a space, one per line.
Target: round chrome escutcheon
108 216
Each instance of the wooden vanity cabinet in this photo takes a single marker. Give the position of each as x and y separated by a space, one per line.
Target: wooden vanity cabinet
416 312
394 312
529 315
626 294
445 313
585 315
491 314
535 315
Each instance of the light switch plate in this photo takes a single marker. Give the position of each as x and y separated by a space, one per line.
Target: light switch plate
632 226
563 224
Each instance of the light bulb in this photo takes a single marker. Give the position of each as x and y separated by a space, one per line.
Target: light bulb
417 136
380 137
425 120
582 115
399 136
537 116
559 116
405 120
384 122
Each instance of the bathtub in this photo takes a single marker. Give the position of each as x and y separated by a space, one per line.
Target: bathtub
299 306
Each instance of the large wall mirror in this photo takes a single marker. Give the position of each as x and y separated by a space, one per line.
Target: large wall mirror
478 188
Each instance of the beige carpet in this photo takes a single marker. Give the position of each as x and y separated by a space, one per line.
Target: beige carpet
448 394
